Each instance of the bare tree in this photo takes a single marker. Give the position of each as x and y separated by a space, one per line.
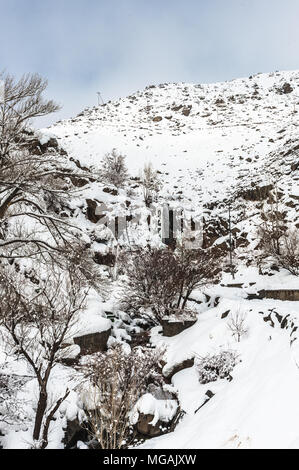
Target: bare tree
37 319
277 241
34 187
114 170
162 280
198 268
273 227
117 380
22 101
151 282
288 255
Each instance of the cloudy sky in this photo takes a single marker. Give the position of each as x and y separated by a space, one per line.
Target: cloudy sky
119 46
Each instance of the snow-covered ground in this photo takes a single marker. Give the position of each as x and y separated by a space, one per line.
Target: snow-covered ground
259 408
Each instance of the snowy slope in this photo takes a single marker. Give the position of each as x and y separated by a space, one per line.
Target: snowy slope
259 408
207 140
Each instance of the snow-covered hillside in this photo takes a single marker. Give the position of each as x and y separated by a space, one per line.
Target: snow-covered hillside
206 140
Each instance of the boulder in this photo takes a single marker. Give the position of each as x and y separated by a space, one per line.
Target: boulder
145 427
111 191
106 259
91 211
186 111
285 89
74 432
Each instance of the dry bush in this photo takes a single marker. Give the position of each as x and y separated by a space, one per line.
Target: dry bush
217 366
273 226
237 325
151 281
12 411
117 380
198 268
114 170
150 183
282 249
162 280
288 256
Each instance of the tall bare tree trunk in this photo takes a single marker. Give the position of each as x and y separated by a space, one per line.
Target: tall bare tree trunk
40 412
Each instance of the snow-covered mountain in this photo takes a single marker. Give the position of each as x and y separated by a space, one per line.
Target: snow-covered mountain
211 144
206 140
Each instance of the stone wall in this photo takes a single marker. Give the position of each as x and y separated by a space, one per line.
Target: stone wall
94 342
281 294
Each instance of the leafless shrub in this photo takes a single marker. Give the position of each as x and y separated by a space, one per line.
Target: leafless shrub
198 268
114 170
271 232
37 320
150 183
273 226
237 325
117 380
288 256
162 280
150 281
282 249
12 412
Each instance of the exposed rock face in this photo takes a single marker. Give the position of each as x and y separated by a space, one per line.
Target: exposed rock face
213 229
157 119
285 89
257 193
107 259
91 211
186 111
173 328
93 342
111 191
37 148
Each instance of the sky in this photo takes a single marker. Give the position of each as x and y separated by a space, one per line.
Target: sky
120 46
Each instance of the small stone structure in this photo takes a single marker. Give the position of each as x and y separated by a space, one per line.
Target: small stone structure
281 294
186 364
93 342
173 328
277 294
